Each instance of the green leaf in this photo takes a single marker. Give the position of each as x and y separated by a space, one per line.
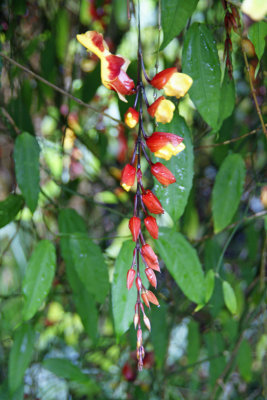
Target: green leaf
200 60
174 197
209 284
229 297
159 332
123 300
64 368
70 223
62 33
39 277
193 342
90 266
227 102
244 360
26 156
215 346
227 191
20 355
257 33
174 16
182 262
9 208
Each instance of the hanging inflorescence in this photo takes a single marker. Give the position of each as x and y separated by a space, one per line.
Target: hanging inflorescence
162 144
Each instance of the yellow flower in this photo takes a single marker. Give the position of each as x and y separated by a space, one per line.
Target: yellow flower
174 83
162 109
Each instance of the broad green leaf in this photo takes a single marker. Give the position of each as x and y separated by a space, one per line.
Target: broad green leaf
123 300
39 277
64 368
174 197
159 332
20 355
227 191
257 34
62 33
227 102
26 156
182 262
200 60
209 284
9 208
215 346
174 16
244 360
229 297
90 266
70 223
193 342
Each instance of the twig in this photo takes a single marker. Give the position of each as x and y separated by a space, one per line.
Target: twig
10 120
242 221
62 91
230 140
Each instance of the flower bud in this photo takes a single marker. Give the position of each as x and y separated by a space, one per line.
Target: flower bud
131 117
136 320
150 257
138 283
174 83
150 274
144 297
139 338
162 109
147 322
164 144
128 177
152 298
152 226
152 202
130 278
162 174
135 226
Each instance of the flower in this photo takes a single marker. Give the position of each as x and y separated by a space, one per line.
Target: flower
113 68
162 109
135 226
152 226
128 177
174 83
131 117
162 174
150 257
165 145
152 202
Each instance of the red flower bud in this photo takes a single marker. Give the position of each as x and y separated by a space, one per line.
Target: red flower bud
136 320
130 278
152 298
164 144
150 257
152 202
128 177
145 298
152 226
138 283
147 322
150 274
139 338
162 174
135 226
131 117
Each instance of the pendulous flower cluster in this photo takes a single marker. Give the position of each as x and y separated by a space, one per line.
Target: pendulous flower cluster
163 144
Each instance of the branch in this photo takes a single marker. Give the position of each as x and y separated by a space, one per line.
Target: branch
62 91
230 140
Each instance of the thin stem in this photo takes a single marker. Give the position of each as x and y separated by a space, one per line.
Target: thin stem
62 91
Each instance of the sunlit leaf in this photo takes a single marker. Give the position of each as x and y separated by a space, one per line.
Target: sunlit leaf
229 297
257 33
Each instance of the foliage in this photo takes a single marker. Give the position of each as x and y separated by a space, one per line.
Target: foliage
66 315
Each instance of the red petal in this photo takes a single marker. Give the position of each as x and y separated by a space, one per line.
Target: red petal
153 108
152 226
160 80
158 140
163 174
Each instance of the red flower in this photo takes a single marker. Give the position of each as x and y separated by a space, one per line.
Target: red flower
174 83
152 226
162 109
135 226
128 177
130 278
113 68
131 117
150 274
162 174
164 144
150 257
152 202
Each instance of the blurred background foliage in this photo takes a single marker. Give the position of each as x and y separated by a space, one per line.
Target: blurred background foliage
64 326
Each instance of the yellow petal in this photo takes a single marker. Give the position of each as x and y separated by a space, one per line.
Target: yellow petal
94 42
178 85
164 112
169 150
